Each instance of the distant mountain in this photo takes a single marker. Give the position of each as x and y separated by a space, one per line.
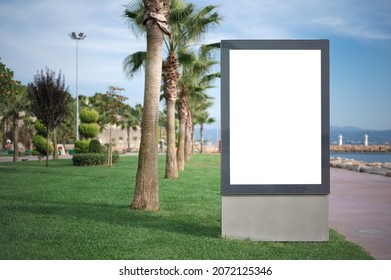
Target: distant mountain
345 128
354 135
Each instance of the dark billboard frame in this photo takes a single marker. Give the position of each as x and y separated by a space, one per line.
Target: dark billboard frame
296 188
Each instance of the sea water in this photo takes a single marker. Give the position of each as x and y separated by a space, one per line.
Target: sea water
367 156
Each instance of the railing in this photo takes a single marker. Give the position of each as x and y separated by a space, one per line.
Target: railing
11 153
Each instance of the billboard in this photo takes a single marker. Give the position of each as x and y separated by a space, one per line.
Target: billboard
275 116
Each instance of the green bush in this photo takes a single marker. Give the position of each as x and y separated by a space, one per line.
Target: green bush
89 130
115 157
91 159
82 146
40 128
95 146
40 145
88 115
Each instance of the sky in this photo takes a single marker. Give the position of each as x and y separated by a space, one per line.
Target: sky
34 35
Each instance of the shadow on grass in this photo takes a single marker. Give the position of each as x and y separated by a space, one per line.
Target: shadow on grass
115 214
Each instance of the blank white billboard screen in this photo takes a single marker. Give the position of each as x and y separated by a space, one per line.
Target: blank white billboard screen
275 117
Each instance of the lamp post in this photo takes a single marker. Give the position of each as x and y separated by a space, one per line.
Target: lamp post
73 36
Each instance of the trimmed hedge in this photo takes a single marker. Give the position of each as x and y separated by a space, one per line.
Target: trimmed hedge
88 115
91 159
82 146
89 130
95 146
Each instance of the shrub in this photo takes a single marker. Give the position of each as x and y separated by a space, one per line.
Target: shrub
40 145
40 128
115 157
88 115
82 146
89 130
95 146
91 159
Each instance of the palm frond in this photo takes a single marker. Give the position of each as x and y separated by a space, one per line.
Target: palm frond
202 21
180 11
209 50
133 63
134 15
209 78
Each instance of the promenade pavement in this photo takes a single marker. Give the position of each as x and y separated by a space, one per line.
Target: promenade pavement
360 209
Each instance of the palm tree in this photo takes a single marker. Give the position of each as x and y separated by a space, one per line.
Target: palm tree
187 26
110 105
66 128
203 118
146 194
131 119
26 131
195 80
15 105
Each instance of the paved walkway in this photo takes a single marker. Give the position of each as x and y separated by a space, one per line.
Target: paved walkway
360 209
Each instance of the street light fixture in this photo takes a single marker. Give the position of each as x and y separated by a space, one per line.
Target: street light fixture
79 37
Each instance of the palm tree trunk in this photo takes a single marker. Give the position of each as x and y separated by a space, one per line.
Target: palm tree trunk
128 134
55 150
47 145
181 144
63 141
182 115
171 160
146 194
16 138
110 152
202 138
189 136
170 78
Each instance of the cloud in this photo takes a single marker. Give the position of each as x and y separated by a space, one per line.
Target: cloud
300 18
352 28
36 35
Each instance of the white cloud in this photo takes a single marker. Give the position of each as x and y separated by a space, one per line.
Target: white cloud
36 35
298 18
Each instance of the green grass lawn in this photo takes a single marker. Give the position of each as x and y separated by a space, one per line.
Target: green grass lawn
67 212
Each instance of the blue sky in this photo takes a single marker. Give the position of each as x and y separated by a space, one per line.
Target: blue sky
34 34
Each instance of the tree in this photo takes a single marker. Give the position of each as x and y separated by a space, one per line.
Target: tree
146 194
41 144
8 86
66 129
49 101
203 118
182 116
12 102
16 104
196 78
110 105
187 26
89 127
131 119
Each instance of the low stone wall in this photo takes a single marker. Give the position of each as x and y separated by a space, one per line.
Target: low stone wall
360 148
379 168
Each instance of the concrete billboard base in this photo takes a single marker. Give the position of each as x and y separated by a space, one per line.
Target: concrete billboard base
276 217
